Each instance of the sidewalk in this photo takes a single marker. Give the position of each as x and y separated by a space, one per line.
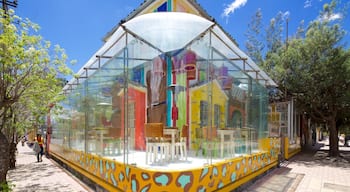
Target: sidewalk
310 171
30 175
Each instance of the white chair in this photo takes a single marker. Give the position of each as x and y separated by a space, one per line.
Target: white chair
181 145
155 143
229 144
113 142
210 141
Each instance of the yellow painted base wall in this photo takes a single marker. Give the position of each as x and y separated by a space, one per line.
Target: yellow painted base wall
222 176
291 150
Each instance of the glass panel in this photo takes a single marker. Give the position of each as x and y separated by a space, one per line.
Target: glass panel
68 123
231 50
105 87
60 129
77 111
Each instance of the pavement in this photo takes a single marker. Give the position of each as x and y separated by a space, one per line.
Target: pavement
30 175
309 171
312 170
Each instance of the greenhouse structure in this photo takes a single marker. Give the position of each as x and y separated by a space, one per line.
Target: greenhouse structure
169 102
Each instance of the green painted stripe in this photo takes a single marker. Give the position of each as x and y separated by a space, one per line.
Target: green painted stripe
170 5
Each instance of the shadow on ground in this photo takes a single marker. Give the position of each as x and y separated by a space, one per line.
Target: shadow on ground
283 180
280 180
314 156
34 178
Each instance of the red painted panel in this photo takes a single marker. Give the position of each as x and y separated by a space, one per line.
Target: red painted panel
138 97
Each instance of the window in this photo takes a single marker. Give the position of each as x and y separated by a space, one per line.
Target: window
131 115
204 113
217 115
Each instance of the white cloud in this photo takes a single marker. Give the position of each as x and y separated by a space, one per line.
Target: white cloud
307 3
336 16
233 6
331 17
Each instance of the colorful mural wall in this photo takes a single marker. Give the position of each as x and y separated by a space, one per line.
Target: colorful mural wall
226 175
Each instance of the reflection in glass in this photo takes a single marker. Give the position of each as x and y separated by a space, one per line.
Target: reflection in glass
195 87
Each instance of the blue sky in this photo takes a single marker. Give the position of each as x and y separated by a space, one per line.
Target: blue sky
78 26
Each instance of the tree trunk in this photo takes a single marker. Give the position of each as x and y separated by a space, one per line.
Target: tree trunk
12 156
333 139
12 149
4 158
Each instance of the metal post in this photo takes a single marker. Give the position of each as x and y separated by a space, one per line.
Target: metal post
6 3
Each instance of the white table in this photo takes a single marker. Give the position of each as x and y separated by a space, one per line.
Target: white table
79 137
101 131
248 133
173 132
222 133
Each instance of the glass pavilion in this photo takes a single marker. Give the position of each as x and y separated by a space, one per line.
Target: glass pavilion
173 69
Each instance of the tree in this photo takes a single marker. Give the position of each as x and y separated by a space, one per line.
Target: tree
266 56
30 79
313 67
317 72
301 30
254 45
274 45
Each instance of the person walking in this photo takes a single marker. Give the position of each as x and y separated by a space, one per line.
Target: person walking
39 151
23 140
313 137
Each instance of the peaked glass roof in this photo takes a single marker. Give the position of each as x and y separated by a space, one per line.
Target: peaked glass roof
170 31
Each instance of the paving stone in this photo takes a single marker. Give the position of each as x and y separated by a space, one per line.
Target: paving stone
32 176
309 171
